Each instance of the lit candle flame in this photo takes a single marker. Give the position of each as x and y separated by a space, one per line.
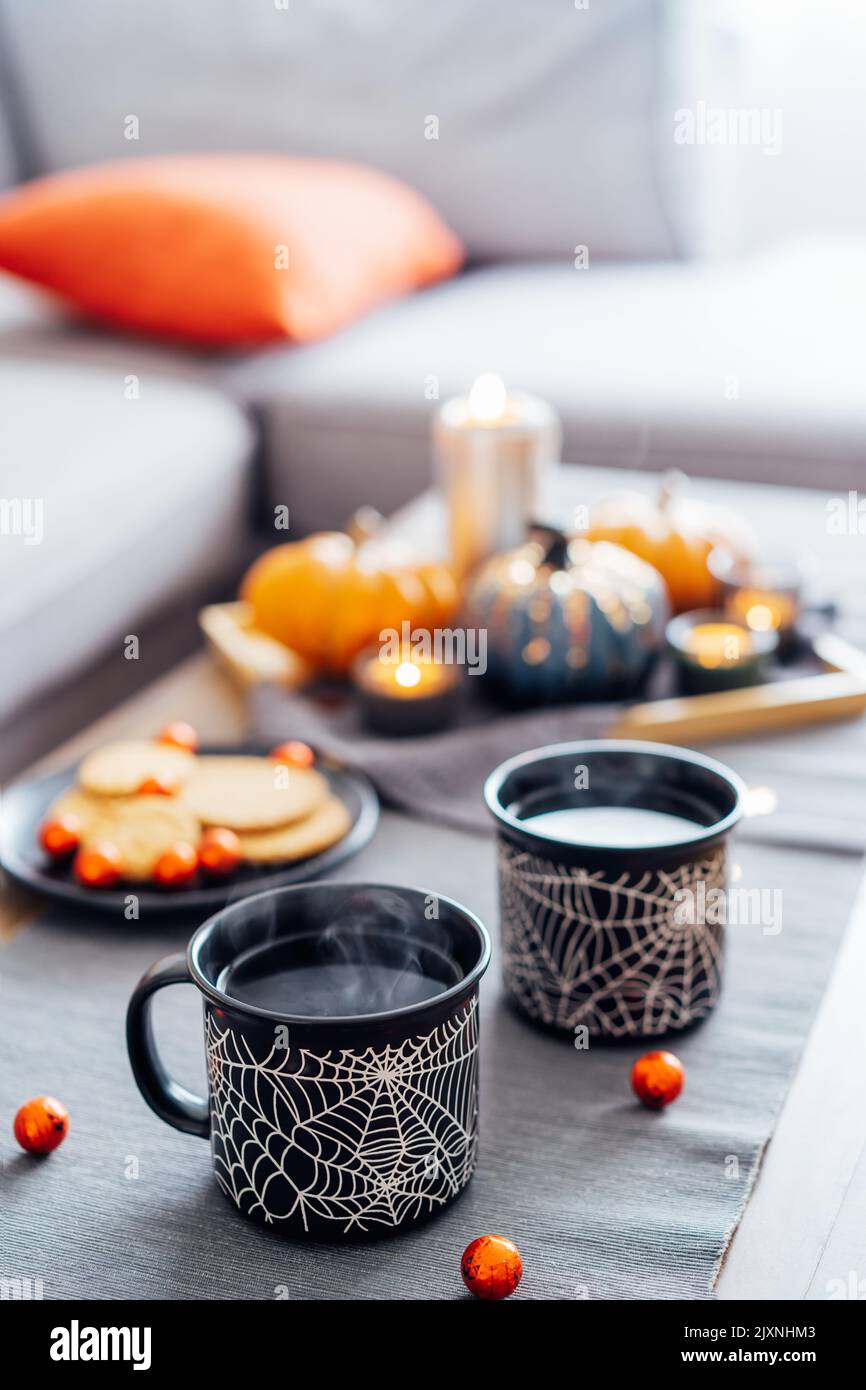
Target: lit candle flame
407 675
761 618
487 398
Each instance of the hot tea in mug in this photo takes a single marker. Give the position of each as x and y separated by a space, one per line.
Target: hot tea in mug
341 1033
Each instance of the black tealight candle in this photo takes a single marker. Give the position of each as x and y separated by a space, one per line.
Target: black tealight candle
713 653
409 696
763 595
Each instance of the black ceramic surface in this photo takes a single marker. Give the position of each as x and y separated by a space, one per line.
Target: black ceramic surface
333 1126
612 938
25 804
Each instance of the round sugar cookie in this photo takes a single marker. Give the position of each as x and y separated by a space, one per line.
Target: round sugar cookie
119 769
327 824
243 793
75 802
142 828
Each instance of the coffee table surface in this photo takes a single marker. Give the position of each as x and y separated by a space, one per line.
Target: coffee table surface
805 1223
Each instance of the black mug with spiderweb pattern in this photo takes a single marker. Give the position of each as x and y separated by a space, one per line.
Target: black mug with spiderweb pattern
331 1122
621 937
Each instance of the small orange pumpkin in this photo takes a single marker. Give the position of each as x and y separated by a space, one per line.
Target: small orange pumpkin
329 596
674 534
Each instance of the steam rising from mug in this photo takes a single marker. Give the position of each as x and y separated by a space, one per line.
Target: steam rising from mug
372 959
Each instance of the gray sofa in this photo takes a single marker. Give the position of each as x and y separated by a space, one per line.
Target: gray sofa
552 132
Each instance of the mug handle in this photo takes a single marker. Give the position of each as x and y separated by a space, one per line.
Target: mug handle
171 1101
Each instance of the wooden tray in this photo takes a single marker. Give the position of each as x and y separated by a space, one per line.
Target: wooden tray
838 692
249 656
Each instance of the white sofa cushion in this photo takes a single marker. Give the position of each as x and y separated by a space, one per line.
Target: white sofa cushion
749 370
554 120
142 503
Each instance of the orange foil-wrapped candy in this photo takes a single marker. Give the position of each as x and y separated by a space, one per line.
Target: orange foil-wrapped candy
179 734
178 864
157 786
98 865
491 1267
294 753
219 851
60 835
41 1124
657 1078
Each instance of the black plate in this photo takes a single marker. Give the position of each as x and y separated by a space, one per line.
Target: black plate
26 802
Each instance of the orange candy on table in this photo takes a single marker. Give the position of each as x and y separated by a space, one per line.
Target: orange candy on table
179 735
219 851
657 1079
294 753
99 865
60 835
41 1124
176 865
491 1267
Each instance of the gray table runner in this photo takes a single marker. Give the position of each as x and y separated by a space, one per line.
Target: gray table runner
605 1199
817 775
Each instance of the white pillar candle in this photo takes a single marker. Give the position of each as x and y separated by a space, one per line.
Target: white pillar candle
493 449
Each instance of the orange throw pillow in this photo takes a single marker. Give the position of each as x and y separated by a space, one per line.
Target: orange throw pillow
225 249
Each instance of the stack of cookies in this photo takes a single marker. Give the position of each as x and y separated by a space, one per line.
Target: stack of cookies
151 808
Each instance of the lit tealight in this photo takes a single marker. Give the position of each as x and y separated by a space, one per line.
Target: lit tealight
765 607
718 644
713 653
411 678
414 695
760 618
407 674
488 399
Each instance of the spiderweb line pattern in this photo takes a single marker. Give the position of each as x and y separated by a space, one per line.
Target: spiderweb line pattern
372 1138
580 947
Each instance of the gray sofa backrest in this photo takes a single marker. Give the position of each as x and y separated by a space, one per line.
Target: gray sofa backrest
535 126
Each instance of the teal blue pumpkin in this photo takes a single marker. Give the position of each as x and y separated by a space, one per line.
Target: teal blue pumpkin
568 620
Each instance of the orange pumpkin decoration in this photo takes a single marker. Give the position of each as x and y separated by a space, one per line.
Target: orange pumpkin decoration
329 596
675 535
